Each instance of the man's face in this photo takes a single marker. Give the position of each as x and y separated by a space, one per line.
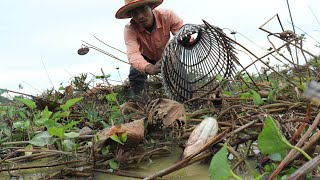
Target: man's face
143 16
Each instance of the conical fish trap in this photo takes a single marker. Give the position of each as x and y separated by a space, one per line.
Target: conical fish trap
190 69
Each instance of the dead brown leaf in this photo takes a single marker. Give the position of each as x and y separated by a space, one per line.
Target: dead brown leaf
165 110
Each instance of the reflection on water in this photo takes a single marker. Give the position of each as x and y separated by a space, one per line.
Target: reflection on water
197 171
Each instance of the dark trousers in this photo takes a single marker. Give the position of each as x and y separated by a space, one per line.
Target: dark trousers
137 79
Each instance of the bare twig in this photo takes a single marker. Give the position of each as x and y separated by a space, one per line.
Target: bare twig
109 45
288 158
40 166
303 170
120 173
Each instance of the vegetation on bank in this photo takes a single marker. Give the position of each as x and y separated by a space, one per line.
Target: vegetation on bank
265 112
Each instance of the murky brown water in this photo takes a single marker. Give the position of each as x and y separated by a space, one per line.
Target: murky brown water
196 171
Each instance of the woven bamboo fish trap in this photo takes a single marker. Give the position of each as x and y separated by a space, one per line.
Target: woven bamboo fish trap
190 69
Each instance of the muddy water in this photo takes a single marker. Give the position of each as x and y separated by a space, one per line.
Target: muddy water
147 167
32 174
196 171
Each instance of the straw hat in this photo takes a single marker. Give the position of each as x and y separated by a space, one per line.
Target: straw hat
122 13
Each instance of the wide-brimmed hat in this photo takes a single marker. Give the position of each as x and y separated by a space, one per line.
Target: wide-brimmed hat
122 13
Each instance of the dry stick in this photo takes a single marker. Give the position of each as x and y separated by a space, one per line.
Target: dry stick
313 140
32 156
15 143
109 45
18 93
288 158
275 105
198 158
305 58
165 148
79 174
40 166
227 99
276 110
274 47
227 110
294 30
303 170
185 161
294 120
298 105
260 59
120 173
49 151
234 153
53 175
8 156
302 126
290 42
104 52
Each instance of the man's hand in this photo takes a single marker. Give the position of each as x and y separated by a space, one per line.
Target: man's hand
153 69
187 40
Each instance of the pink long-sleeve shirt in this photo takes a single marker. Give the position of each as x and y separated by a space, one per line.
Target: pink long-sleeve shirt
139 41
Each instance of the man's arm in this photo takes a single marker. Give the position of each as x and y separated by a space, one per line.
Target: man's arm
176 22
133 50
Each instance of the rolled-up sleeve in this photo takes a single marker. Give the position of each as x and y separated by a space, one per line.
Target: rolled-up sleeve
133 49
